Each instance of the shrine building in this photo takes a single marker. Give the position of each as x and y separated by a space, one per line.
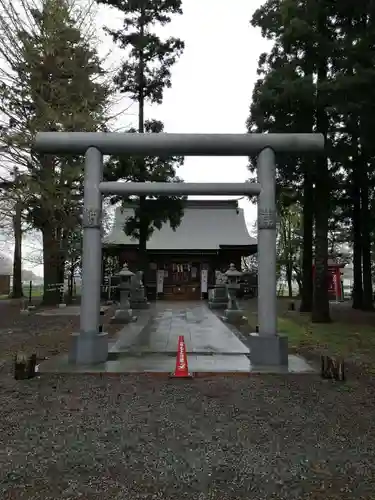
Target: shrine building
182 263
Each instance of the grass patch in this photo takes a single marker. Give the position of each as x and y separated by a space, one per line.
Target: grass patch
350 341
36 292
34 295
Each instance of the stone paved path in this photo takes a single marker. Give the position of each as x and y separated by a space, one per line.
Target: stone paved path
203 331
150 344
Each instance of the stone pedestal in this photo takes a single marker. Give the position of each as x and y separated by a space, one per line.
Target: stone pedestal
123 317
138 300
234 316
88 348
139 304
124 314
268 350
218 297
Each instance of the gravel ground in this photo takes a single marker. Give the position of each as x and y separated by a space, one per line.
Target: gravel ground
45 335
136 437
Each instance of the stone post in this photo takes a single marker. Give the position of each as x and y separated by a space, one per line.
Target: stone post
89 346
267 314
267 348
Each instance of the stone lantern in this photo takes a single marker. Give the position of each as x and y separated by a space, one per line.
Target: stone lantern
233 313
124 314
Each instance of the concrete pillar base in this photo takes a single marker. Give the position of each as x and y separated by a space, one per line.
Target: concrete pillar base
268 350
234 315
88 348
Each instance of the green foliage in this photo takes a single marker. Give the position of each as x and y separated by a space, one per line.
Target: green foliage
74 249
155 210
146 71
52 81
56 86
289 243
320 76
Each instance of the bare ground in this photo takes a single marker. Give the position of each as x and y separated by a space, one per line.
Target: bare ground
45 335
136 437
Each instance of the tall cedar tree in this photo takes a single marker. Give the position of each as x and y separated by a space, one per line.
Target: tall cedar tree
13 200
283 101
55 87
301 32
332 45
143 77
354 107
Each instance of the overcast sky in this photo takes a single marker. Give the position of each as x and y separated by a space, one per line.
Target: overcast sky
211 84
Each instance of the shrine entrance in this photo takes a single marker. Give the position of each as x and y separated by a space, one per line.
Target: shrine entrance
182 281
90 345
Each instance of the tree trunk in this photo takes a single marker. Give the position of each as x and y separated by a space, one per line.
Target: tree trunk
366 151
289 278
61 272
17 291
51 265
307 248
357 240
299 283
142 250
320 310
367 303
71 283
62 237
143 227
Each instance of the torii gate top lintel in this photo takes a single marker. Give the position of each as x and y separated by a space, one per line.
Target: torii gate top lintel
148 144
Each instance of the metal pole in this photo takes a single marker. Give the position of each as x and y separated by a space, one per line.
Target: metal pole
176 144
267 302
92 245
180 188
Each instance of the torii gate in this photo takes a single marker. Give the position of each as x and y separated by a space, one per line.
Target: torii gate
90 346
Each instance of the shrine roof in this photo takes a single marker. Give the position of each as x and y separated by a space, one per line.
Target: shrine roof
206 225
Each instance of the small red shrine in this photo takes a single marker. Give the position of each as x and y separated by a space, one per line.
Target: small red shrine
335 289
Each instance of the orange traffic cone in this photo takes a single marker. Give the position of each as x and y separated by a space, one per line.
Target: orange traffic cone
181 370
